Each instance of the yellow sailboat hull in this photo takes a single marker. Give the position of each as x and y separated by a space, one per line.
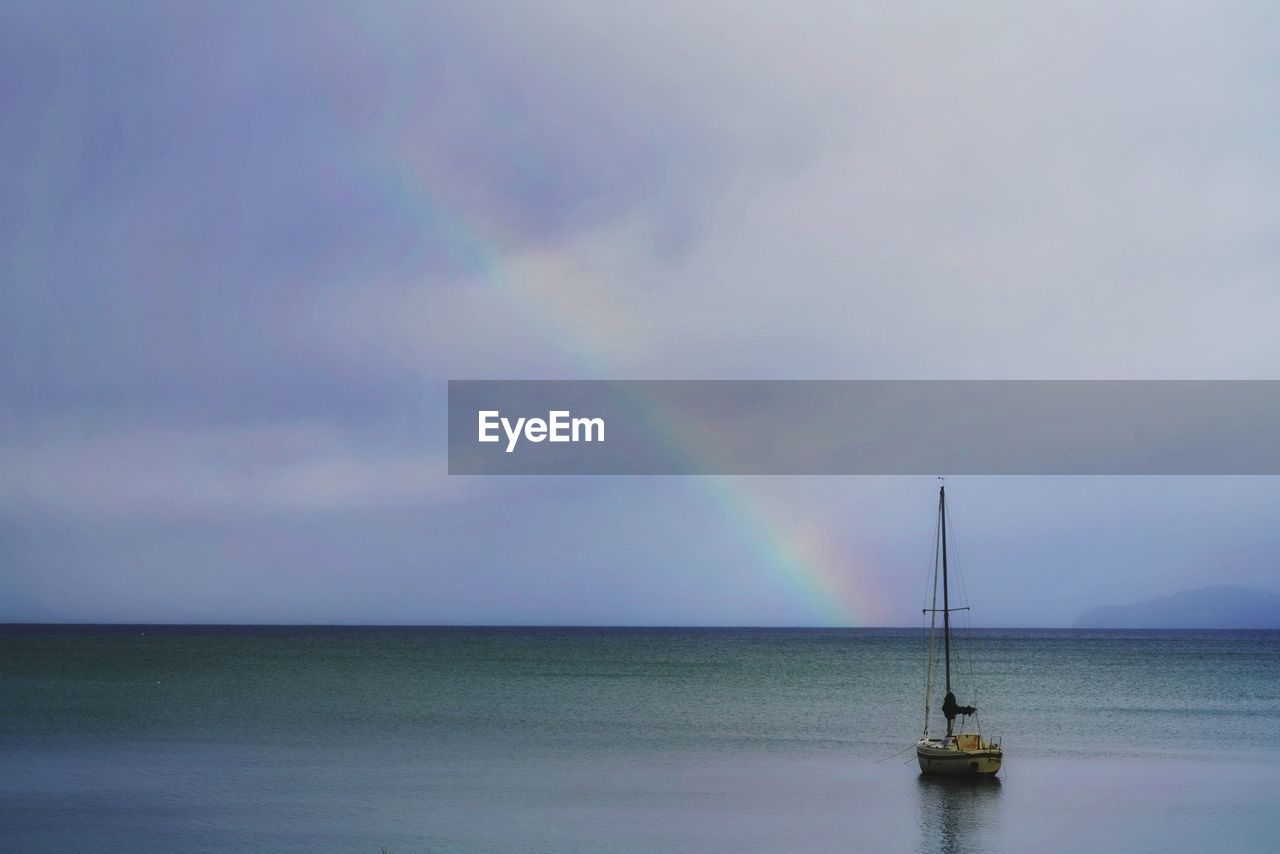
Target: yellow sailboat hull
963 755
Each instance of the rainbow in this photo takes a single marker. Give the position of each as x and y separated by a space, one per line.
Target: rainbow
800 558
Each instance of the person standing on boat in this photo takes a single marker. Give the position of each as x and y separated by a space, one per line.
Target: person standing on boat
951 708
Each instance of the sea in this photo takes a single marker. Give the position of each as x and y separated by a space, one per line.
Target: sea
361 739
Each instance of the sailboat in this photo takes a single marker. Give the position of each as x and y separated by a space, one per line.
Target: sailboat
959 754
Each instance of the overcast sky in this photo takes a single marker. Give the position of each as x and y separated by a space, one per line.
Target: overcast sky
243 246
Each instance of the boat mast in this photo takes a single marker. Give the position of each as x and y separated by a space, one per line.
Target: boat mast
946 604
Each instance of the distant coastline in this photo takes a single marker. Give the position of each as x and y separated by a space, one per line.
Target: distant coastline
1215 607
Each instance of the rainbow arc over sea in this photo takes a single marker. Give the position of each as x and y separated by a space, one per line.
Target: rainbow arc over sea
802 560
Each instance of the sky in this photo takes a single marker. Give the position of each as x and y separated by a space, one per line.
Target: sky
244 246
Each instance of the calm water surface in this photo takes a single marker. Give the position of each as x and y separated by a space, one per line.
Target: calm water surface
353 739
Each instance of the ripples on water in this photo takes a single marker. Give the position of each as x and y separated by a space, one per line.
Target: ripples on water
594 740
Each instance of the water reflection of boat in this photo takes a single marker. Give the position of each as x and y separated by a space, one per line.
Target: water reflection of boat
957 813
963 754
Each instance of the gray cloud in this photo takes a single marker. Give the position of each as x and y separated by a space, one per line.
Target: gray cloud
243 248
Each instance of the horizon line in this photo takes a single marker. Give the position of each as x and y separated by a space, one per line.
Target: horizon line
246 625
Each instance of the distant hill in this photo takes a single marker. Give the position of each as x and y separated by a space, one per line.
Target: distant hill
1219 607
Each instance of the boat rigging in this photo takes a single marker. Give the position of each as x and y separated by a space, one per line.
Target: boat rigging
956 753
